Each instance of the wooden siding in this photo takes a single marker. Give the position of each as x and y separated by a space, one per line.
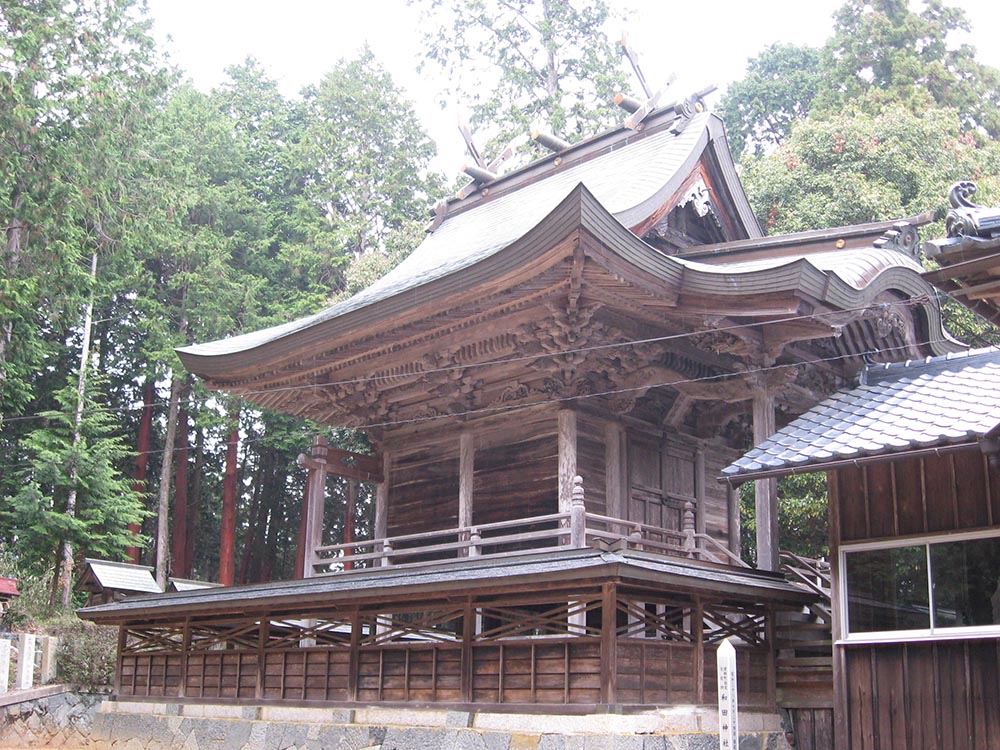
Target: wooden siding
583 647
927 495
423 494
517 480
924 696
919 695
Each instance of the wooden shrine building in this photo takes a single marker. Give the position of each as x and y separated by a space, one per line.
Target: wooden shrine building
550 384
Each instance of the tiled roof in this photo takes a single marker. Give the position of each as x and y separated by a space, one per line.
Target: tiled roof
123 576
898 407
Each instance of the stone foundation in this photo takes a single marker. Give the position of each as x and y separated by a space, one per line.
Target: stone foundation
48 716
169 726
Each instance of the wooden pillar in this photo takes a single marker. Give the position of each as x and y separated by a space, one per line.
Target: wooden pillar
698 637
466 467
699 489
609 645
733 512
185 652
766 490
350 500
469 631
382 498
567 458
227 549
314 505
614 469
354 660
841 718
263 634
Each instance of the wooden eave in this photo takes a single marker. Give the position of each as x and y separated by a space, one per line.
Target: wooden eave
969 272
800 243
578 245
454 581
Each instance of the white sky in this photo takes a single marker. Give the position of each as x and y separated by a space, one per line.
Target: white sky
703 42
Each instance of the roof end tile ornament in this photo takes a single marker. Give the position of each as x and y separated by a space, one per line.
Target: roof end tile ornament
903 237
968 219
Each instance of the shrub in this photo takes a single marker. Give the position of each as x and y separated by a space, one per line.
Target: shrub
86 654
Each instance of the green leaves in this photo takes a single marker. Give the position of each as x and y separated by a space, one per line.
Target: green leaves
518 64
856 168
106 503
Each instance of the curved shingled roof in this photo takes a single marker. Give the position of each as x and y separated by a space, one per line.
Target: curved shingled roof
631 180
938 401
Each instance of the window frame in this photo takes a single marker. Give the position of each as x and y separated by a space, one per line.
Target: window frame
931 633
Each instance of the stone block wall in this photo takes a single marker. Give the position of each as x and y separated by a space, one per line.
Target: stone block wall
55 717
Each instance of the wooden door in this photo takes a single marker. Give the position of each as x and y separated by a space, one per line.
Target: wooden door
652 497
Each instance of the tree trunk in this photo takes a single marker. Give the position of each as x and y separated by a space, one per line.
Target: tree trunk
194 500
227 550
66 573
142 457
163 503
179 545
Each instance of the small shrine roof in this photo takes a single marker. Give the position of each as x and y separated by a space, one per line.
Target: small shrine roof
120 576
938 401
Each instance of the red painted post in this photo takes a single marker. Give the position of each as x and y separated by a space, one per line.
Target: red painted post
142 457
227 552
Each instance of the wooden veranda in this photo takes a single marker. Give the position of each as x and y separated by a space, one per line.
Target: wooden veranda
580 629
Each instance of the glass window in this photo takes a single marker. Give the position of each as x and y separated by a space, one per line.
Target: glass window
966 583
928 586
887 590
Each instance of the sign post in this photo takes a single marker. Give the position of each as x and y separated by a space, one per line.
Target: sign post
728 725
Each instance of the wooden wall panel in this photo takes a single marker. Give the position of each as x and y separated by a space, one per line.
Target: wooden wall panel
423 494
751 677
882 515
556 671
148 675
924 696
939 484
971 490
928 495
590 462
652 672
517 480
853 504
909 483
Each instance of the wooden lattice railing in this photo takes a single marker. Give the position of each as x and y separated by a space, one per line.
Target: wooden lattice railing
574 529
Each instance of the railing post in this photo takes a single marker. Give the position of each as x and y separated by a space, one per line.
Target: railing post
578 515
386 553
475 539
635 538
688 527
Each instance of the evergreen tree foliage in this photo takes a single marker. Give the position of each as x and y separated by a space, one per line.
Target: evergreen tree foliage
857 167
515 65
36 519
777 91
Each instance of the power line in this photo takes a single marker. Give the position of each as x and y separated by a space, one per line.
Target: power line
562 399
516 359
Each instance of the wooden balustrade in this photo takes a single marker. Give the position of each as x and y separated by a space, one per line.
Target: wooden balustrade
555 531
